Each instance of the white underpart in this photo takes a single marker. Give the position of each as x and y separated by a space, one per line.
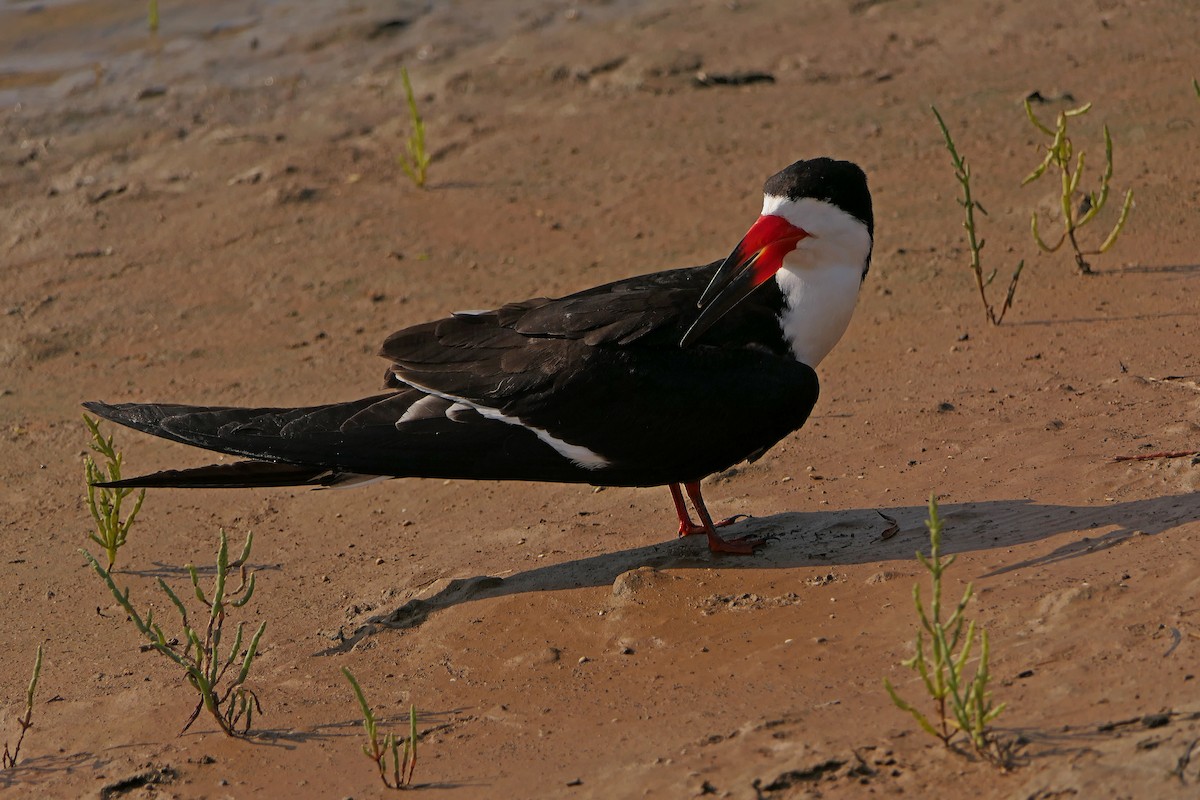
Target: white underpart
426 407
821 277
432 405
457 411
348 480
358 481
577 454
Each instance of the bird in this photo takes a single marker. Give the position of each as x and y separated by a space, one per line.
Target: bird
659 379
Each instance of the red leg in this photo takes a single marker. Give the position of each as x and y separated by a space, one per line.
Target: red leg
686 526
744 545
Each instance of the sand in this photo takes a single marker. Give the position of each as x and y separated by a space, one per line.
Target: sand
215 215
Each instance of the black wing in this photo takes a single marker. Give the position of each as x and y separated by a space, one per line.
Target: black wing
590 388
603 370
341 443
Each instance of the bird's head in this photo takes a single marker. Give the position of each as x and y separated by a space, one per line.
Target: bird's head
816 215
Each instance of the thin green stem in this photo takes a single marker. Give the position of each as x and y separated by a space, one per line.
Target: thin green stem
104 502
1059 155
962 172
9 759
961 701
403 762
201 658
415 161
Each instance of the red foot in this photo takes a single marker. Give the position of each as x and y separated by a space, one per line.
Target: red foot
689 528
743 545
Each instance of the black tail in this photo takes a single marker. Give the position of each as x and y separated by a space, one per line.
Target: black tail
290 446
238 475
405 433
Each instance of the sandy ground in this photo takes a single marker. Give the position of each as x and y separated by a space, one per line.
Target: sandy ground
215 215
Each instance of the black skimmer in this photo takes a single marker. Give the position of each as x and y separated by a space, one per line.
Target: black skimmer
659 379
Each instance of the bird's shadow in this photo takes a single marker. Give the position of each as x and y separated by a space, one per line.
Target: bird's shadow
823 540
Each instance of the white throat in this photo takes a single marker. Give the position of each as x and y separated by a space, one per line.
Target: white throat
820 279
820 303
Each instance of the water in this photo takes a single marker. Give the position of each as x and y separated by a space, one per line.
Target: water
92 52
50 49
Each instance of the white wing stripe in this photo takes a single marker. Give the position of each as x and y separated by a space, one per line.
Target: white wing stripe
578 454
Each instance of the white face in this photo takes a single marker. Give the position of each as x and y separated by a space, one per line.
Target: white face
834 237
821 277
